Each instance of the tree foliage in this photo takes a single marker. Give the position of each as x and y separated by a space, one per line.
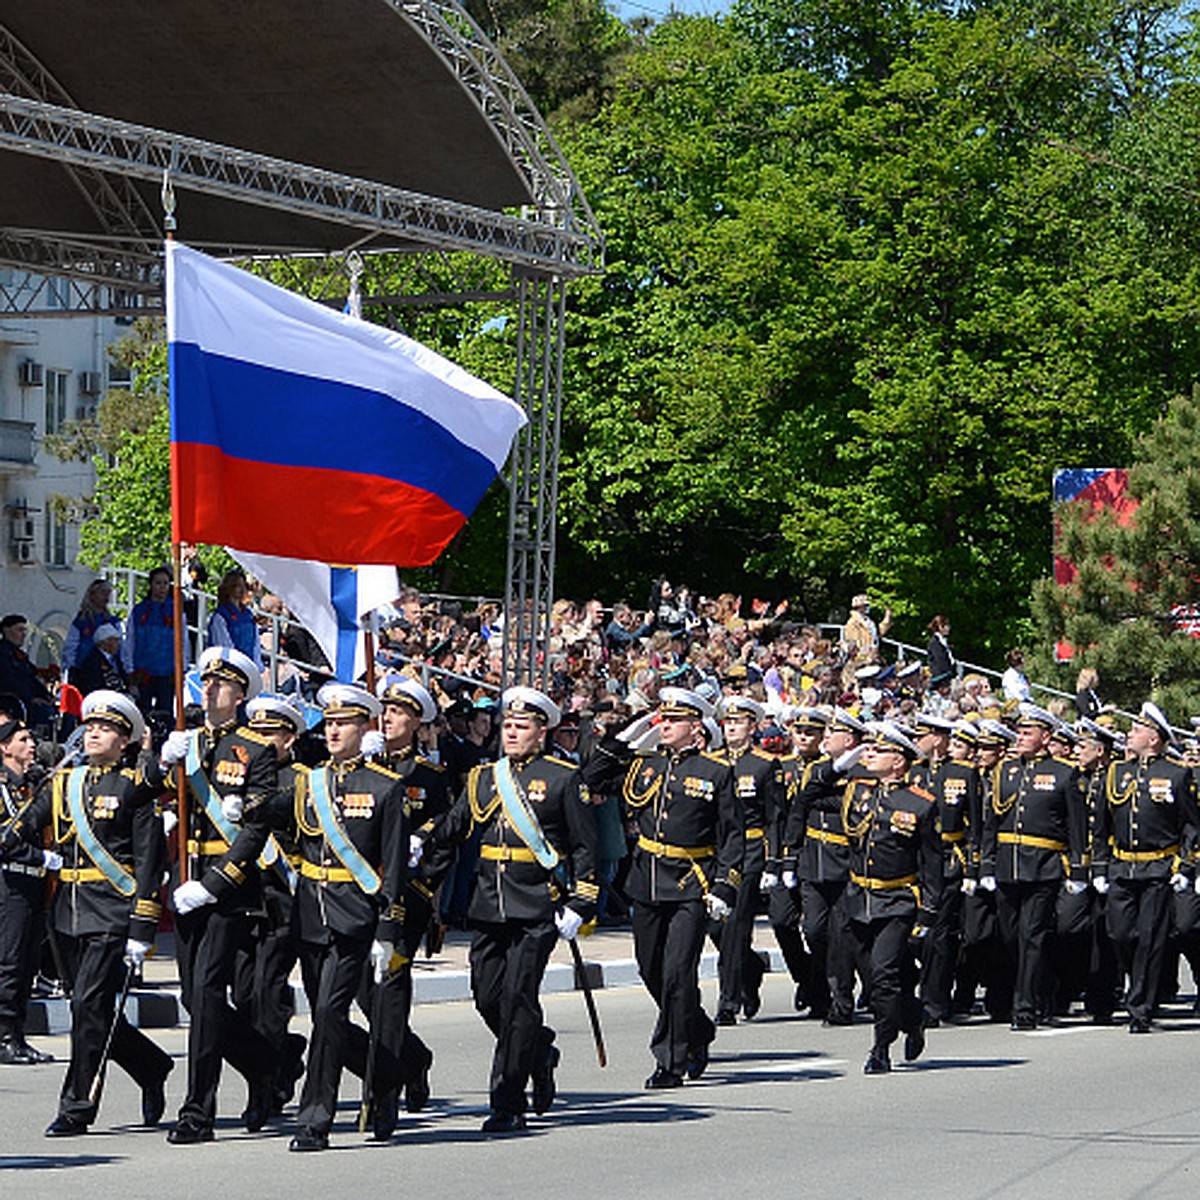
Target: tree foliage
1129 610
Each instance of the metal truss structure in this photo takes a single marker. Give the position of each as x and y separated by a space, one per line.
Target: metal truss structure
438 251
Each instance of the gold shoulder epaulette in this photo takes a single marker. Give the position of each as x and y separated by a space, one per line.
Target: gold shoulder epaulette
128 773
1066 762
560 762
715 756
759 752
252 735
920 791
428 762
381 770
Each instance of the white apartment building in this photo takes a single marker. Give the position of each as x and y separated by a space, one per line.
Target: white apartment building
52 369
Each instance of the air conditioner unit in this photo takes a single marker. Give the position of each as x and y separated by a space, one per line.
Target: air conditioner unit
23 553
90 383
20 529
32 374
86 411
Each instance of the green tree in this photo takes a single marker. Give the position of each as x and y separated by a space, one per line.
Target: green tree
1122 612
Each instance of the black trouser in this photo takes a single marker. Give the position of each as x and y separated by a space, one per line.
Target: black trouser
942 942
208 944
1073 944
739 969
21 903
883 949
1025 916
667 940
1137 924
984 959
1104 976
262 993
96 971
831 945
783 909
332 973
395 1035
508 961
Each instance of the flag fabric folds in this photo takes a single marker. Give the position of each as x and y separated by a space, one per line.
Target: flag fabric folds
300 432
329 601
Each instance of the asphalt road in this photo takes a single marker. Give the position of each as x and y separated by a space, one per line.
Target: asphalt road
784 1110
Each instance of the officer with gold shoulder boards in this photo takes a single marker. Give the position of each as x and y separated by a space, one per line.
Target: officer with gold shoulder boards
817 836
1034 843
895 886
955 785
407 706
352 841
686 869
231 777
759 783
1145 844
262 990
104 826
535 883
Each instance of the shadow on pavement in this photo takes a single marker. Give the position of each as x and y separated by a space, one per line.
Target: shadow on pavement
55 1162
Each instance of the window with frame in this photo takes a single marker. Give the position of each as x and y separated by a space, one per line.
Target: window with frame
56 400
56 539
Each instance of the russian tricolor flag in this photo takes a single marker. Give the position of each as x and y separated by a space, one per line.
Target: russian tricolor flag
301 432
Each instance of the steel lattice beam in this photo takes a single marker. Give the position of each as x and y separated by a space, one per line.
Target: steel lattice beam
86 140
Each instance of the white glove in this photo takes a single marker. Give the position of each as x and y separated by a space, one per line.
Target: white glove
169 819
381 957
648 741
1074 887
373 743
969 886
136 952
231 807
1100 883
987 882
192 895
844 762
717 908
1180 883
636 729
788 879
567 922
769 881
52 860
174 749
416 847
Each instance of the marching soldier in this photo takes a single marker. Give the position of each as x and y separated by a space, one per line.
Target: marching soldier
407 706
1145 842
22 888
262 990
895 886
817 835
759 783
352 844
686 869
1033 845
104 826
806 727
955 785
535 883
230 776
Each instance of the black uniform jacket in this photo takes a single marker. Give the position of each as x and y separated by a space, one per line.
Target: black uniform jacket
816 835
426 800
956 786
119 806
510 884
1034 828
236 761
1148 825
758 781
895 851
689 820
368 800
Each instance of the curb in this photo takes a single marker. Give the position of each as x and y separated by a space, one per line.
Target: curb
163 1008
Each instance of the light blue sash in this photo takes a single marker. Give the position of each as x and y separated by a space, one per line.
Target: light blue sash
119 876
521 816
337 837
202 790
